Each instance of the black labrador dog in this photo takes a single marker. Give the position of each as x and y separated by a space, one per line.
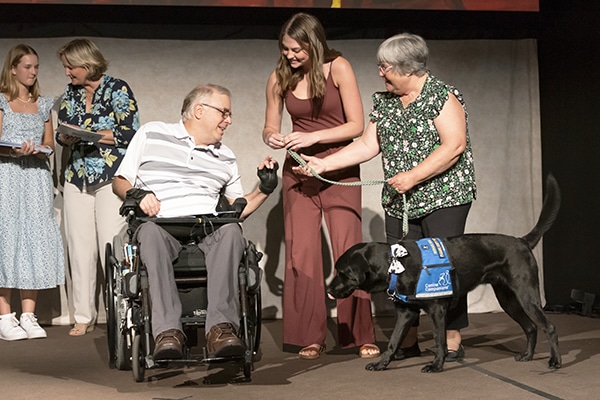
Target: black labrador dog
505 262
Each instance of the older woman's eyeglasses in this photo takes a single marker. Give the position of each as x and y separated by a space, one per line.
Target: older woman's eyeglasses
383 69
225 113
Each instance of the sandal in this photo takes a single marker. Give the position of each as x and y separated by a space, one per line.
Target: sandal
311 352
81 329
369 350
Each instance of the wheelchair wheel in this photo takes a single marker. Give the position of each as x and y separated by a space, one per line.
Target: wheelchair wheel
248 367
251 324
110 305
256 309
138 360
123 359
118 351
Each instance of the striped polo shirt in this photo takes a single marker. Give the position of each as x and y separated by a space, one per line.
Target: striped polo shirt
186 178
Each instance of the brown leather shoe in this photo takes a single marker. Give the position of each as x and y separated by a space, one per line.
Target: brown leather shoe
169 345
222 341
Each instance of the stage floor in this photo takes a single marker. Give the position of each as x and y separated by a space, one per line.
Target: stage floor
64 367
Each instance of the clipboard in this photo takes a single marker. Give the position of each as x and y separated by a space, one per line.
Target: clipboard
41 149
84 135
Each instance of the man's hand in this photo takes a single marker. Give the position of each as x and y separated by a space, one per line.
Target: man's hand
267 173
140 200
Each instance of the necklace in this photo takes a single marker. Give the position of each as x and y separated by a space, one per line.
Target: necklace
26 102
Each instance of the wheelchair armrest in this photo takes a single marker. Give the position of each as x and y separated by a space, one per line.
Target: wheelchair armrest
131 205
233 210
238 206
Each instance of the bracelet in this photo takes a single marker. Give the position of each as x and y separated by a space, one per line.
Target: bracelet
11 154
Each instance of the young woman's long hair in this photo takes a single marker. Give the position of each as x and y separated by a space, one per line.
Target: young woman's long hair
310 34
8 83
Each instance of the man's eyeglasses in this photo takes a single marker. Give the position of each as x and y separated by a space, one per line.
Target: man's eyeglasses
383 69
225 113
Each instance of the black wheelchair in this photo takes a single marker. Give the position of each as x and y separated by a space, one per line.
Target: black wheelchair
129 332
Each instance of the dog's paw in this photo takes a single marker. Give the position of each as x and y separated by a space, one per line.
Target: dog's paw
429 368
554 363
524 357
378 366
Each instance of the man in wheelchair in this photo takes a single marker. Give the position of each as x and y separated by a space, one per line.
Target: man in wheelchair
181 169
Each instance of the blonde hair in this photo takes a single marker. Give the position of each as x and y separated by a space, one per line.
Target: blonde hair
310 35
85 54
8 82
198 95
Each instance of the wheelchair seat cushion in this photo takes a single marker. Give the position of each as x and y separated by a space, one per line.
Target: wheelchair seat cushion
191 262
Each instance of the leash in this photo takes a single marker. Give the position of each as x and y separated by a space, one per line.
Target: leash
303 163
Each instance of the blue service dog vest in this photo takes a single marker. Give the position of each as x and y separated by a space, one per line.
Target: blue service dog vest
435 279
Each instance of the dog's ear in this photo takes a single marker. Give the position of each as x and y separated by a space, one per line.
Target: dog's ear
373 264
349 272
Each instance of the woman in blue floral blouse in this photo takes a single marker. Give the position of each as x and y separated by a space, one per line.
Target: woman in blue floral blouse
419 125
100 103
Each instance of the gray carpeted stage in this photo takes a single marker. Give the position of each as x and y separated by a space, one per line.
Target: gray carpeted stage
63 367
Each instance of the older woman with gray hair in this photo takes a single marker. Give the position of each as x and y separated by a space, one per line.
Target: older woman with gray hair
419 125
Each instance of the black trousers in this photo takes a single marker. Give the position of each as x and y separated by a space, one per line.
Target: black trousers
441 223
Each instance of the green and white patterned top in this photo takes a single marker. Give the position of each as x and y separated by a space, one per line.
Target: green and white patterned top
407 136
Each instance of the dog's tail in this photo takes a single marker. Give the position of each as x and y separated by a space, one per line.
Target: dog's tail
549 212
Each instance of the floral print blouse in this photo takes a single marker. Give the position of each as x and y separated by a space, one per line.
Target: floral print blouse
407 136
113 107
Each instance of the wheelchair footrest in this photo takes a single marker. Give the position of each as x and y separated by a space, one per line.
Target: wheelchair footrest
199 319
187 280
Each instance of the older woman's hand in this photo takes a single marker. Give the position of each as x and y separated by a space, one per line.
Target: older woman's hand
313 165
68 139
402 182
